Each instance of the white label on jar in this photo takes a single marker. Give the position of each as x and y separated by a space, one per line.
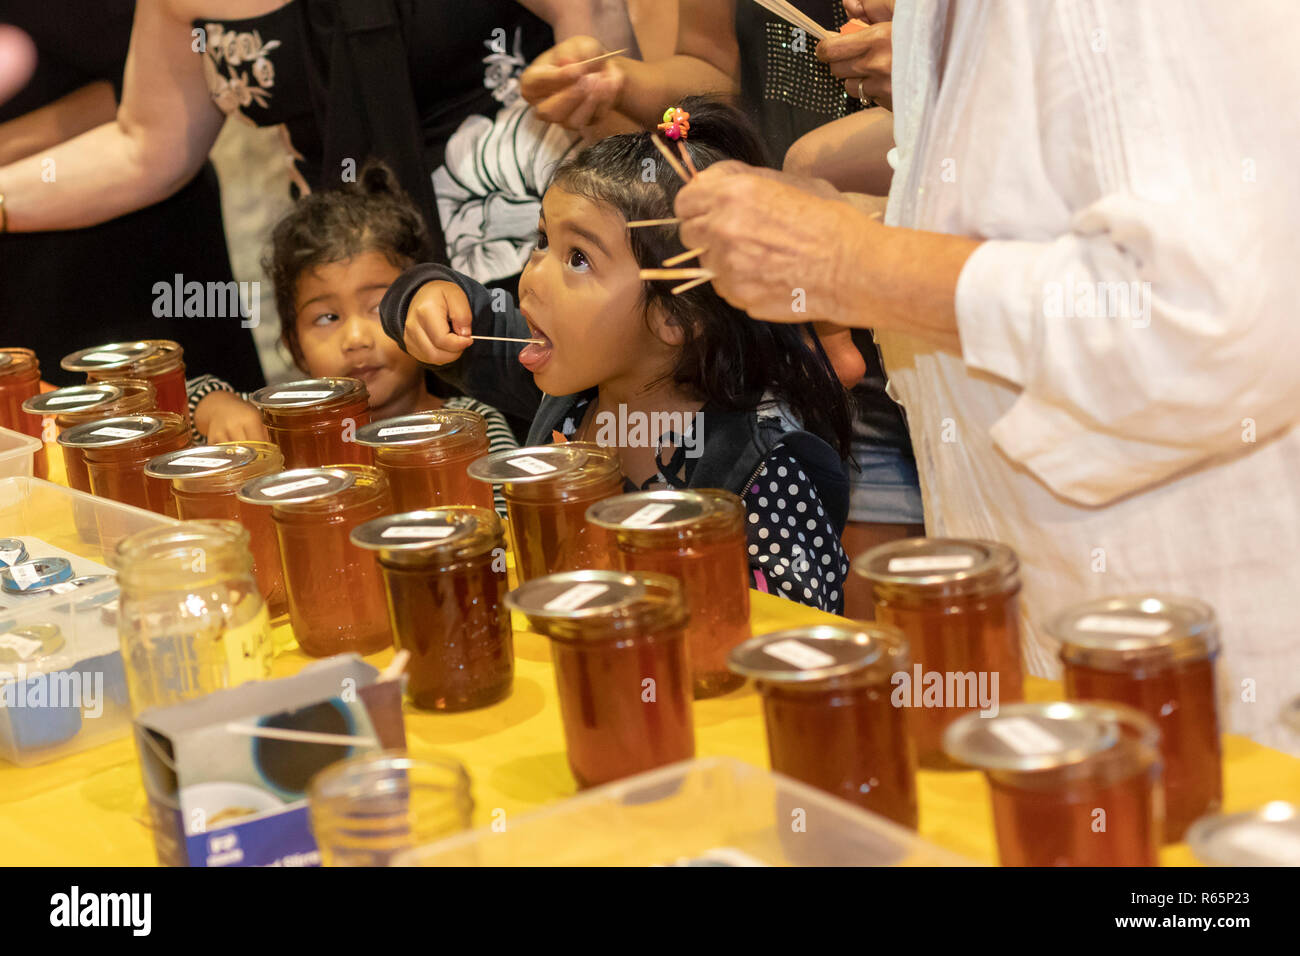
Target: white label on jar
576 596
25 575
9 557
533 466
1142 626
105 357
197 461
112 432
23 646
63 587
1024 736
409 429
932 562
69 399
646 515
420 531
799 654
275 491
303 394
1271 843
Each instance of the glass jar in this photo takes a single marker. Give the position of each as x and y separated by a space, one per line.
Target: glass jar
445 573
956 602
205 483
366 810
697 537
1073 784
831 721
1156 654
1266 836
548 490
315 421
336 594
79 404
618 643
190 617
160 362
425 457
20 380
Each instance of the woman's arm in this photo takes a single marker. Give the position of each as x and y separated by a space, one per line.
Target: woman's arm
159 139
849 152
68 116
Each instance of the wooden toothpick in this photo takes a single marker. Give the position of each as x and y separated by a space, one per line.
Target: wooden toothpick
670 158
682 257
497 338
597 59
642 223
678 290
656 274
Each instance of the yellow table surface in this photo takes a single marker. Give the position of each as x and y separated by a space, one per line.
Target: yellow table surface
89 809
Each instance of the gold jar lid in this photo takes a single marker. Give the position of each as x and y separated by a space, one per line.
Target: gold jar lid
559 605
802 655
928 568
444 535
1114 633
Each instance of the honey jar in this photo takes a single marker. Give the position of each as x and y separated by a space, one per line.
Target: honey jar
160 362
79 404
20 380
315 421
425 456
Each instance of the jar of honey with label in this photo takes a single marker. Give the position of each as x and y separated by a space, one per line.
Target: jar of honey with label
830 718
79 404
315 421
697 537
618 643
205 483
1155 653
548 490
160 362
1073 784
425 456
335 591
956 602
445 573
20 380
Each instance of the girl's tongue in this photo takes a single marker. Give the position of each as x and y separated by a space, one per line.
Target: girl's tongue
532 356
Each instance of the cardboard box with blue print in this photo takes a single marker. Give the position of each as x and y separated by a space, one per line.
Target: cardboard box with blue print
226 775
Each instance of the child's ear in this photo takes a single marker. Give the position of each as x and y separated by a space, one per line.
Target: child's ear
666 328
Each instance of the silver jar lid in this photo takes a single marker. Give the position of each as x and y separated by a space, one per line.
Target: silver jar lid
1030 736
12 551
73 398
306 392
200 461
956 567
30 643
1110 631
578 594
31 577
415 530
661 510
819 652
110 356
296 486
111 431
415 429
1268 836
520 465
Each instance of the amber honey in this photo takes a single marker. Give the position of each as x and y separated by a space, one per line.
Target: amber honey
314 422
425 457
160 362
20 380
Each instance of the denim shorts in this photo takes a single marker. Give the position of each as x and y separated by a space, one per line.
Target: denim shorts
884 487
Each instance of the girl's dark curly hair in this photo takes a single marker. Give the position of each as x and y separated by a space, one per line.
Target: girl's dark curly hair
372 214
726 358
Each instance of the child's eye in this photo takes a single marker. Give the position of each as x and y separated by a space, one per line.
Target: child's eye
578 260
541 239
325 318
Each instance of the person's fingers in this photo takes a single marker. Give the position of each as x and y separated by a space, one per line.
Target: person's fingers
579 48
418 346
584 112
849 46
459 315
560 107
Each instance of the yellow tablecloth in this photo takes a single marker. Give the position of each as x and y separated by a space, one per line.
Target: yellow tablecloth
88 809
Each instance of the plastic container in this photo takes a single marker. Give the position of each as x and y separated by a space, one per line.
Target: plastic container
205 483
1156 654
445 575
336 593
18 454
369 809
698 537
1268 836
1073 784
956 602
548 490
425 457
85 678
116 451
315 421
618 643
20 380
160 362
830 719
79 404
710 812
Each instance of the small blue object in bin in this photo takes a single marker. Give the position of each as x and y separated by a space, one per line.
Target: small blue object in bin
30 576
110 665
25 728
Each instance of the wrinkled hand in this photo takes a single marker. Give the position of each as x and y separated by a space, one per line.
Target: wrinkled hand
863 60
573 96
438 323
224 416
872 11
774 248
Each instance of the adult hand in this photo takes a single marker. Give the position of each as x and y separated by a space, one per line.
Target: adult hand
565 91
777 251
863 60
872 11
17 60
438 323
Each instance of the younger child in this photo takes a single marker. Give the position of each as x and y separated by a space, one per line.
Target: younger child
773 423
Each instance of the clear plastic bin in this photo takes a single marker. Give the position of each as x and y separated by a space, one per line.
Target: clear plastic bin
17 453
75 697
709 812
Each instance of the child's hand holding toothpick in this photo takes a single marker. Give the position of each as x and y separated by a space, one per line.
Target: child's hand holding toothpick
438 323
